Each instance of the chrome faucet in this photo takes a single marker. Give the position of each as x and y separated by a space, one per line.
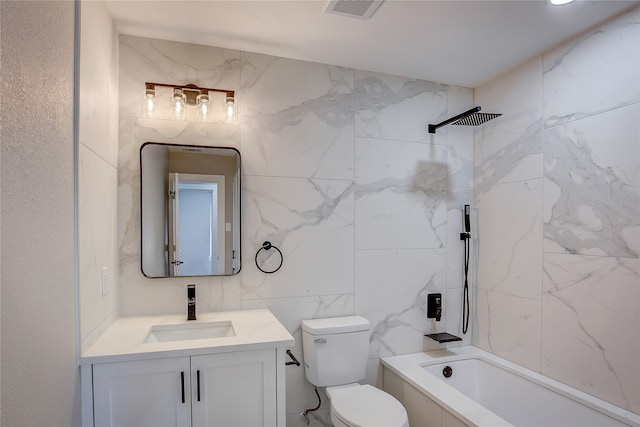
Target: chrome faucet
191 302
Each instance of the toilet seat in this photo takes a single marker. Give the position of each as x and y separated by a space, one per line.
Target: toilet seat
366 406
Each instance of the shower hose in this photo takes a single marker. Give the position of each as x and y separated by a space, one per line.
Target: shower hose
465 296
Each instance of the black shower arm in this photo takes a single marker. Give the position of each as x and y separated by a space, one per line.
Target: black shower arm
432 128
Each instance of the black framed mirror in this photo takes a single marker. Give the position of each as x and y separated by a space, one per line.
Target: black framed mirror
189 210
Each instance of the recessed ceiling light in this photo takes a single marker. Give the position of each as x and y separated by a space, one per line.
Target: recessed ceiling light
559 2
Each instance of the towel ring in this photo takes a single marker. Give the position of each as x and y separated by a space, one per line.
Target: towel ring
267 246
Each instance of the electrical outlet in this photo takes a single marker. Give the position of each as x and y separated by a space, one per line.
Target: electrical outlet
104 281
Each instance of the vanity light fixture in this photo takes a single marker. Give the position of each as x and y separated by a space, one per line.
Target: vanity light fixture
184 96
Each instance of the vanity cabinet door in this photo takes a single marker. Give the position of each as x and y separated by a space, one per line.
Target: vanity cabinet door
153 393
234 389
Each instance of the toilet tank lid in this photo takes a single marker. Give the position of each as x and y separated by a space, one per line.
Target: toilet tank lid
335 325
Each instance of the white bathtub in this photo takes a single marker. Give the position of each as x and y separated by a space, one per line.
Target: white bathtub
485 390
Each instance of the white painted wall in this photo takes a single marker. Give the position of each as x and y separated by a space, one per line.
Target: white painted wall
0 218
39 372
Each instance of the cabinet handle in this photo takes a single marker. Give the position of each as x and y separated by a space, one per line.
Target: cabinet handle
182 383
198 381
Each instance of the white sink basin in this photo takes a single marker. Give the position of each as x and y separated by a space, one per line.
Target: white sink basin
190 331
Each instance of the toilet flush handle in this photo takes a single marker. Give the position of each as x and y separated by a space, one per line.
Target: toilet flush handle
293 360
320 341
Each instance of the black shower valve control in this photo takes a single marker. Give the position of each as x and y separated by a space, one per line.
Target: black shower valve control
434 306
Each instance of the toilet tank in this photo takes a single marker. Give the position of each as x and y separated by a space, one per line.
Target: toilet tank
335 350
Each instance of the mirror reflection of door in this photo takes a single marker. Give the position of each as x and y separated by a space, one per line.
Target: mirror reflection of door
197 215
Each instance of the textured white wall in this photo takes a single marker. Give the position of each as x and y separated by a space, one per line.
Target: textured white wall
40 384
0 210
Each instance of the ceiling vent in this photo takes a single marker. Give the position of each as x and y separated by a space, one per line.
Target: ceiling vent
362 9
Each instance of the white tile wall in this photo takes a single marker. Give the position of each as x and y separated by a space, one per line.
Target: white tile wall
97 197
590 309
594 73
510 239
338 172
97 170
592 170
396 108
558 257
297 118
509 148
391 291
400 183
509 326
311 222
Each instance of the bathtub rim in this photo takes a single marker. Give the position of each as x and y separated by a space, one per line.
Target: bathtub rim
410 367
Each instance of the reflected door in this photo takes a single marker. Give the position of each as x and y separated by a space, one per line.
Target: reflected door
197 238
197 231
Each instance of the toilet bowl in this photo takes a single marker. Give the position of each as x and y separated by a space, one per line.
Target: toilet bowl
335 357
356 405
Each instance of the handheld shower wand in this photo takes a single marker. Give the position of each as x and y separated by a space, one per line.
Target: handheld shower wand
467 219
466 237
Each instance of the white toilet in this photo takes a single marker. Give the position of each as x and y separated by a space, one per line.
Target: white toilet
335 356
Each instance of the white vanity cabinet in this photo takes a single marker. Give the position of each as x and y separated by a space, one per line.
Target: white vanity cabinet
142 393
237 380
224 389
234 389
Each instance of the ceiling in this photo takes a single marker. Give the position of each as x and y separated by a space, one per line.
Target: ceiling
465 43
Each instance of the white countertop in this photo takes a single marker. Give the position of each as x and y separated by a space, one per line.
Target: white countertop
124 340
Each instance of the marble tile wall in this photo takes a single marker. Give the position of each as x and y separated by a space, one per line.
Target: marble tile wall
339 172
97 171
557 195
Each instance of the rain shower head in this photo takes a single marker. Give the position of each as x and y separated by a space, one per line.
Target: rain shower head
472 117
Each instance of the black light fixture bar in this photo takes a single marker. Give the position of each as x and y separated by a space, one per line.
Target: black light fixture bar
191 91
193 87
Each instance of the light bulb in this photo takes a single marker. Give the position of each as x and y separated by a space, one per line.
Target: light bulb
229 106
149 107
204 112
178 105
